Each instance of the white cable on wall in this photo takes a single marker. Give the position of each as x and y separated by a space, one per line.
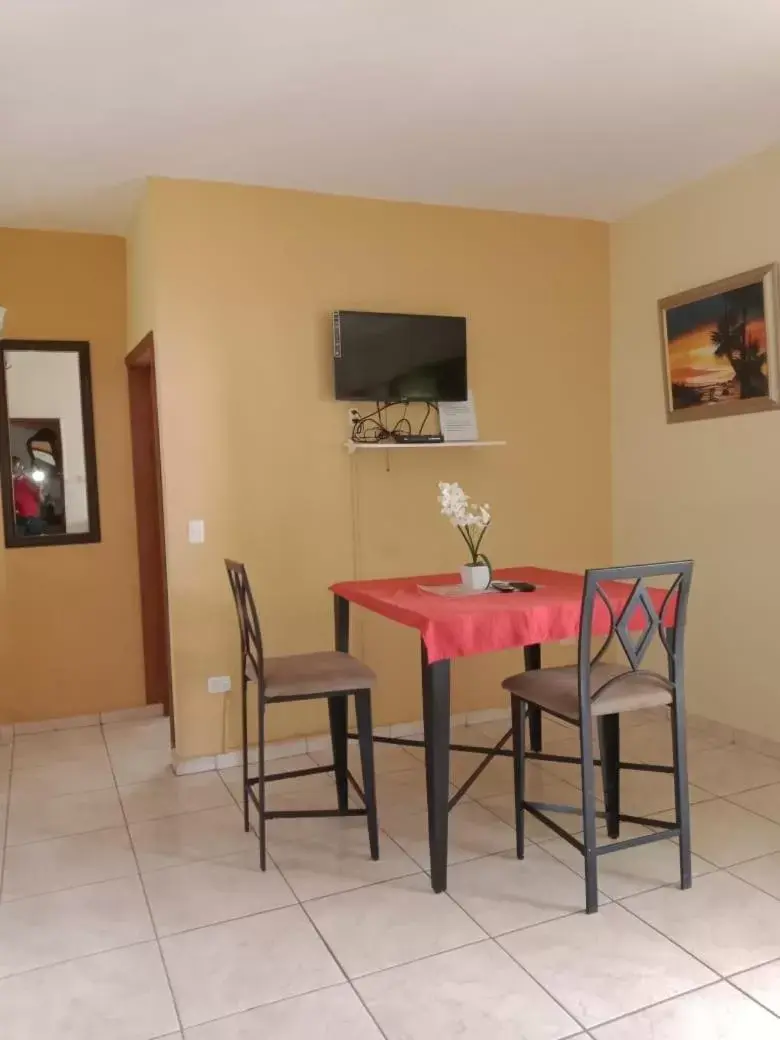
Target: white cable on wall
356 616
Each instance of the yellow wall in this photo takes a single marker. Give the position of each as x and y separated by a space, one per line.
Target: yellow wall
70 614
709 490
141 272
245 280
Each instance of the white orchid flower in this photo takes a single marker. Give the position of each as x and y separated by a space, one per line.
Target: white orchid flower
471 522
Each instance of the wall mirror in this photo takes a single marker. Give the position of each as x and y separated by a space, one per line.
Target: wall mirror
47 444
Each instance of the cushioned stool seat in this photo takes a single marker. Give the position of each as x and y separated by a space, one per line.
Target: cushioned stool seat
614 689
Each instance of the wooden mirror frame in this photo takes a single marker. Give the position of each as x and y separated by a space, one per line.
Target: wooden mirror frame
12 539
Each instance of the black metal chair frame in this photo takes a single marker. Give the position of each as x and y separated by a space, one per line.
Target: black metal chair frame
253 787
672 638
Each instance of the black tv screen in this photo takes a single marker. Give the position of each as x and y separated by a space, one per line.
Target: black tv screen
399 357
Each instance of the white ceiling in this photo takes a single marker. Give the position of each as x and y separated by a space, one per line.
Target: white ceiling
586 107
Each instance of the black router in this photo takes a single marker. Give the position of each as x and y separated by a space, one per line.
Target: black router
417 438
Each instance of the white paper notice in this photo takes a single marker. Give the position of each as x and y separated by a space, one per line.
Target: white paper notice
458 420
455 591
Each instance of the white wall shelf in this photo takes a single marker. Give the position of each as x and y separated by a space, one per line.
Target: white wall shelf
353 446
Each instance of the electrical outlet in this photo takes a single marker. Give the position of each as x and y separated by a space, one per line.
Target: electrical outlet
219 684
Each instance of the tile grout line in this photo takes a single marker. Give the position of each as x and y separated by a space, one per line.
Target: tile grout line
720 977
580 1027
695 989
652 927
658 1003
746 971
113 827
366 884
76 959
371 884
712 797
69 888
426 870
143 889
742 992
743 863
7 817
340 966
139 942
143 942
349 981
260 1007
494 940
488 938
762 816
678 996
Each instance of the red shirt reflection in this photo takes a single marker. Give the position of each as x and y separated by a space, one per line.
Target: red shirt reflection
27 497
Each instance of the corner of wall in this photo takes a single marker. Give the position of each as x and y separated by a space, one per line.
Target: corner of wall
140 271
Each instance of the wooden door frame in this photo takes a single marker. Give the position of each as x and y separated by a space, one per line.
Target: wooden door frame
150 524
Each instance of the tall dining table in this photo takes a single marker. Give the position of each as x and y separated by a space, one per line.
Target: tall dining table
461 626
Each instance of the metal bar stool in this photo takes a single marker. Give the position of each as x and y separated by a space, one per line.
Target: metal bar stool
301 677
595 689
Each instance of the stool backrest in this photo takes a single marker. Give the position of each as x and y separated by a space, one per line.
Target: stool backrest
635 623
248 623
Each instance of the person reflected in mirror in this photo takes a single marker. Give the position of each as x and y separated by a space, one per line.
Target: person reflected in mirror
27 501
44 450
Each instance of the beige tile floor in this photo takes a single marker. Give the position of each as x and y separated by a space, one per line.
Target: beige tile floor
132 906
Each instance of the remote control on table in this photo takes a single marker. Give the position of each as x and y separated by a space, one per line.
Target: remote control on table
513 586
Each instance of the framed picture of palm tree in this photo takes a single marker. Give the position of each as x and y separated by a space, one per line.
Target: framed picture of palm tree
719 345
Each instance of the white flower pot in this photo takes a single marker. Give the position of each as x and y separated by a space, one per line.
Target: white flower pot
475 576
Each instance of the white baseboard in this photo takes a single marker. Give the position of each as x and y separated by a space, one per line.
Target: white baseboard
203 764
732 735
321 742
45 726
144 711
478 718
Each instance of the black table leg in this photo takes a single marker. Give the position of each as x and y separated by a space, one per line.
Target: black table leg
436 721
609 745
533 661
337 706
682 800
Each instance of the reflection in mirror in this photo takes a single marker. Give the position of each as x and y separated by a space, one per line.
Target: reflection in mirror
38 479
50 445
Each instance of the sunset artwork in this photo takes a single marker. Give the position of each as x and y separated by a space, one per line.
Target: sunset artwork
719 349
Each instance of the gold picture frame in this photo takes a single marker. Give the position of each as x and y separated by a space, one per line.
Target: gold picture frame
719 347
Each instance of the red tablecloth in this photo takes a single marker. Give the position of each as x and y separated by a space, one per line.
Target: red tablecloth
459 627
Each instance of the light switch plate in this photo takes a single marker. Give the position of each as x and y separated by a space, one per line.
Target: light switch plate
197 532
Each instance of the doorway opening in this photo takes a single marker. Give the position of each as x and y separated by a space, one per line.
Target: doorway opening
147 477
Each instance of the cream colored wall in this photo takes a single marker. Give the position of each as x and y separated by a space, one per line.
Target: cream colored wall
70 615
252 439
709 490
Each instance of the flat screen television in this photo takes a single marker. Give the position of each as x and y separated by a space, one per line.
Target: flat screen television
399 357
